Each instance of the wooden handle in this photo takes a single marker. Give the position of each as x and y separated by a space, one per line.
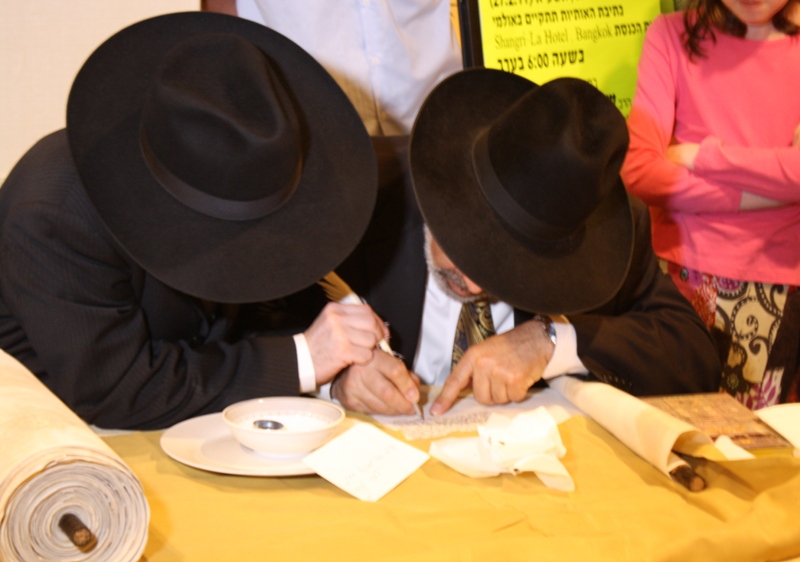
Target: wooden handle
77 532
688 478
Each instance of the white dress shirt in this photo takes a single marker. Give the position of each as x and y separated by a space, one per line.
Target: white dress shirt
305 365
386 55
435 346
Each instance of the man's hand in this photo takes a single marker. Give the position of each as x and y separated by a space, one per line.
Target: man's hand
501 368
796 139
343 335
683 154
383 386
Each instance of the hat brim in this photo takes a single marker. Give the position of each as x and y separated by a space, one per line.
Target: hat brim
576 278
219 260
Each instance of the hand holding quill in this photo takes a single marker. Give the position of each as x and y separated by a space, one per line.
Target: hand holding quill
336 289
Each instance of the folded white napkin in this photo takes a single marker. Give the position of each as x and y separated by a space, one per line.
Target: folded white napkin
527 442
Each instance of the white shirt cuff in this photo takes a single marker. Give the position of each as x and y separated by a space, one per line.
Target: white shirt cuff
305 365
324 392
565 359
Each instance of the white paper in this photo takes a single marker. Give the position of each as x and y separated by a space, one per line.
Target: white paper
365 462
51 464
511 438
463 454
731 450
526 442
785 419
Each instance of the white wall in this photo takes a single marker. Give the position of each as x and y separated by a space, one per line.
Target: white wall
43 44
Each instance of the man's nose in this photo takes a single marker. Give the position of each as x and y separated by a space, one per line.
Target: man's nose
473 288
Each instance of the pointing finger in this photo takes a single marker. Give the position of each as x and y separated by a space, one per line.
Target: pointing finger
458 380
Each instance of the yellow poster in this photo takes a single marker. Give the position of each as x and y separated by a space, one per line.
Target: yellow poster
597 40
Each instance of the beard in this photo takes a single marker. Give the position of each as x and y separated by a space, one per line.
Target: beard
444 277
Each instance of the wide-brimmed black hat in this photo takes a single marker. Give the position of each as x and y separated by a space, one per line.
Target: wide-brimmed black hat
224 159
519 184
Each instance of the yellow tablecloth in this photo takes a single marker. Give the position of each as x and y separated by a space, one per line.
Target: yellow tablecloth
622 509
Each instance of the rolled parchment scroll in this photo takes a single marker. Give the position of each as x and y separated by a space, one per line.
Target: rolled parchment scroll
649 432
64 494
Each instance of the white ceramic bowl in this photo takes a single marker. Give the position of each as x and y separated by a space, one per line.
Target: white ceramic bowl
307 424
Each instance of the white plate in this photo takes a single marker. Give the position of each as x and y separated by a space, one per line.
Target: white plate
205 442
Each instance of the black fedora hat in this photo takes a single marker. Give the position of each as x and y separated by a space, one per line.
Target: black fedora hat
519 184
224 159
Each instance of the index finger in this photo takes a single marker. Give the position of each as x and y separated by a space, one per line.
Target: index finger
402 379
458 380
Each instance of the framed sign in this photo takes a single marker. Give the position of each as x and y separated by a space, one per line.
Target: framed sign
597 40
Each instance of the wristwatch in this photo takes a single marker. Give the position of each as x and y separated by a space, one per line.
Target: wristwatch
549 327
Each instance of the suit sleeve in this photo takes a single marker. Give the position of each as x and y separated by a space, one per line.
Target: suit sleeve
75 295
769 172
648 340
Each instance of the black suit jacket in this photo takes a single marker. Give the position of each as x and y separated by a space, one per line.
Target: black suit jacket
647 340
116 345
124 350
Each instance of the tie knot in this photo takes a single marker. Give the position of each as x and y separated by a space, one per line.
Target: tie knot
481 314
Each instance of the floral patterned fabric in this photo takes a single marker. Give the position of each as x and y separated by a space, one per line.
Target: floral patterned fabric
758 326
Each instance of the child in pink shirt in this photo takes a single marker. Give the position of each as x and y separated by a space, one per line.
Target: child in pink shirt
715 129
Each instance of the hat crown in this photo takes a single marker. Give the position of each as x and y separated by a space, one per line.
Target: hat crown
556 155
219 129
189 197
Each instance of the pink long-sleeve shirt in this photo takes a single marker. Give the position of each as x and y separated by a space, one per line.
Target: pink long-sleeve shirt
741 104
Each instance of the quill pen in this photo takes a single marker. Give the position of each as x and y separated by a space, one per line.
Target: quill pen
336 289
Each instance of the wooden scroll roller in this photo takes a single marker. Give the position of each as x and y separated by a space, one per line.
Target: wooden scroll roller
688 478
77 532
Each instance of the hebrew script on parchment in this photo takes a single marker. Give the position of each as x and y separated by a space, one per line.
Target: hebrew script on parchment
466 414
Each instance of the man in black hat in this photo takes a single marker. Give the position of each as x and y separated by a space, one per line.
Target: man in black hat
531 235
208 162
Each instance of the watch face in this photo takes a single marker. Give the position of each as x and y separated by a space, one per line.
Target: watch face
549 327
551 331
